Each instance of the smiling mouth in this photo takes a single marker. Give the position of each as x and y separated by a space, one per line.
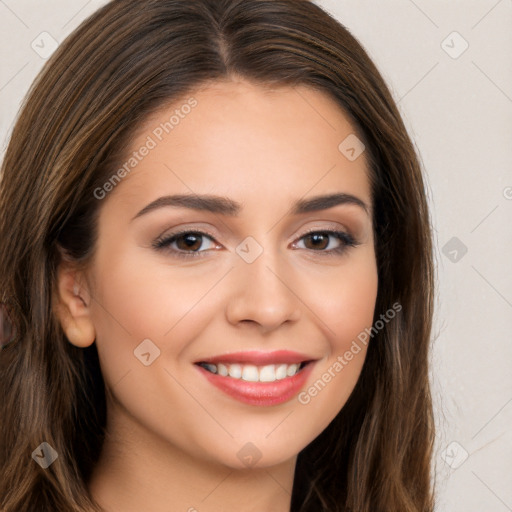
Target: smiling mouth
254 373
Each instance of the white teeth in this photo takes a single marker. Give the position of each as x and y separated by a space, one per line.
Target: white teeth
268 373
222 370
252 373
292 369
235 370
281 371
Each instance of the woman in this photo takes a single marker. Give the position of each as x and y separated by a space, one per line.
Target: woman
282 367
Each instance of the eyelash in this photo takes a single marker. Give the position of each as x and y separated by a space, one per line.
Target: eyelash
163 243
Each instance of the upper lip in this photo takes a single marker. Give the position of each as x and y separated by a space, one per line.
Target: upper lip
259 358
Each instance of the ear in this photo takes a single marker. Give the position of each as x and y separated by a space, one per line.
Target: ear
72 306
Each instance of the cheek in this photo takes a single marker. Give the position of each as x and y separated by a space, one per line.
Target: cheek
346 300
147 299
352 312
136 301
347 316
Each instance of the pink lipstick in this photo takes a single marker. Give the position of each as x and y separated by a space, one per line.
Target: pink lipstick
256 377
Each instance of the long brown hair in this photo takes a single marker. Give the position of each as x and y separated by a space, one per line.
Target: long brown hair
123 63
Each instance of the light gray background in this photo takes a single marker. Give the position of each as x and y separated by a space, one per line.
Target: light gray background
458 109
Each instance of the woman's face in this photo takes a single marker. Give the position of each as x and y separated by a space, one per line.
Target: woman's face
245 285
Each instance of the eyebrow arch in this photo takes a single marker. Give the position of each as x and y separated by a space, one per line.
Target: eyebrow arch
226 206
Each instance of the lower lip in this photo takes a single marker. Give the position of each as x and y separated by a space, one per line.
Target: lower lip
260 393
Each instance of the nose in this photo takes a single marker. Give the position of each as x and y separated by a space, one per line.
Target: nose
262 294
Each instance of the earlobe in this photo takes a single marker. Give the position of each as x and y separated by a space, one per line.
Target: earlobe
72 308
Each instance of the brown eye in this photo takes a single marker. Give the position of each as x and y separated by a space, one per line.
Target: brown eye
319 240
191 242
184 244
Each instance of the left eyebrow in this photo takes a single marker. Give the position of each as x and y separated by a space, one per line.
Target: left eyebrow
226 206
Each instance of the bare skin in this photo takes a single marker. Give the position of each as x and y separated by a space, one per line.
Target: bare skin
174 440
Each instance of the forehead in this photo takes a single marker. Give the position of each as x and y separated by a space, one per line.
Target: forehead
242 138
